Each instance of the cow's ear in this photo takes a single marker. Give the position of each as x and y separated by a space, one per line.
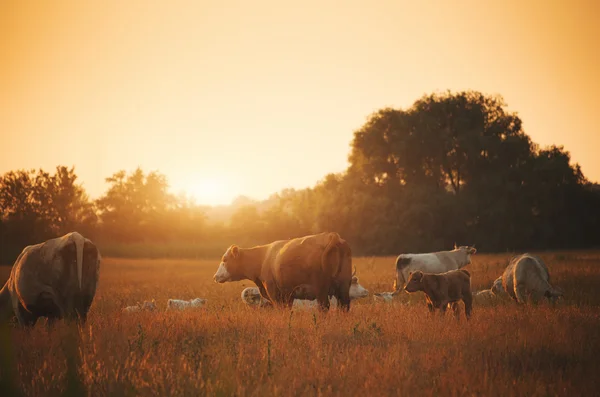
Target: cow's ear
235 251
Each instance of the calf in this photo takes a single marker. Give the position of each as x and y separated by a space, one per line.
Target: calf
178 304
146 307
443 289
384 296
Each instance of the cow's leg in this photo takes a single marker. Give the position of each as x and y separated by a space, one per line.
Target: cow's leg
26 318
343 296
455 309
521 293
400 281
430 305
322 293
468 300
273 294
443 306
262 290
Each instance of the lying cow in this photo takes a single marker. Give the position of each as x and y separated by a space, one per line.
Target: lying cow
384 296
302 297
443 289
435 263
147 306
485 296
178 304
323 262
526 277
55 279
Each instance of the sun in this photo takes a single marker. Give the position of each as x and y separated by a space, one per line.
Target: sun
209 191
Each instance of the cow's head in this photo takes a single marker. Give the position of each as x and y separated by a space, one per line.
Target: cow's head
229 266
554 294
384 296
466 252
497 287
149 305
357 290
251 296
415 282
198 302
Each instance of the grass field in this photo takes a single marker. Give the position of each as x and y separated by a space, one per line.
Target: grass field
227 349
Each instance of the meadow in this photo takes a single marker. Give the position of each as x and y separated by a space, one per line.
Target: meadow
228 349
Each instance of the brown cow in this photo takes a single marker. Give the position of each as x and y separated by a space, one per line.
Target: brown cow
321 263
443 289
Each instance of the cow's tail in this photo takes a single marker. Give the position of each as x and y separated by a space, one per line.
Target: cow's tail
332 257
5 303
79 241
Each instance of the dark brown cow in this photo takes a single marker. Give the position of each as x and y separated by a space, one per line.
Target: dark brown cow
443 289
320 263
55 279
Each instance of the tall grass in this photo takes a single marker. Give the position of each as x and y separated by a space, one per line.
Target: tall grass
228 349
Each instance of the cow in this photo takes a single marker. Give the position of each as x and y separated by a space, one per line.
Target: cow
484 296
443 289
177 304
323 262
384 296
147 306
303 296
434 262
527 278
55 279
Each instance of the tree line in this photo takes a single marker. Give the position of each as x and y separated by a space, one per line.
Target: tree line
453 167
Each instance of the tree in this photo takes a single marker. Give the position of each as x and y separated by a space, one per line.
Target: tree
35 206
135 206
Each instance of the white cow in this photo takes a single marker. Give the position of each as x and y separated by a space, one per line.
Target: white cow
251 296
385 296
434 262
526 277
178 304
139 307
484 296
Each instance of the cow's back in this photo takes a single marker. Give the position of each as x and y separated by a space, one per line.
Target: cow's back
525 269
427 263
316 262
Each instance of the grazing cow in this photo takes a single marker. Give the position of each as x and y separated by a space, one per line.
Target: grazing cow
147 306
443 289
434 262
497 288
320 263
177 304
303 297
527 277
55 279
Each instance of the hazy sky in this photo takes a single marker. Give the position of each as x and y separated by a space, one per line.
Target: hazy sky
250 97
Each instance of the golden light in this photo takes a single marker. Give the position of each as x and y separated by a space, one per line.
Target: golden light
210 191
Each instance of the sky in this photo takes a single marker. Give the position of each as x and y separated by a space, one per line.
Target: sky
231 98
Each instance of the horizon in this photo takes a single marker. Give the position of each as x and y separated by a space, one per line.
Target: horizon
207 94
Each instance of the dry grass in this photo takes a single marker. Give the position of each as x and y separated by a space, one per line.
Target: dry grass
377 349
